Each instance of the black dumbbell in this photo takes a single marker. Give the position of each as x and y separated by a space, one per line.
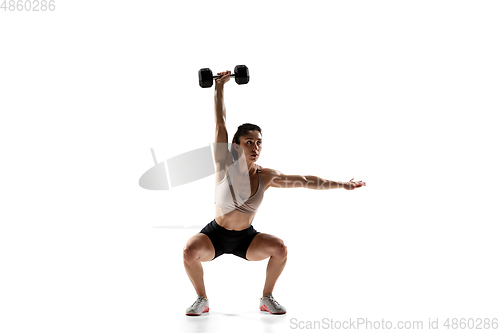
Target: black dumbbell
206 77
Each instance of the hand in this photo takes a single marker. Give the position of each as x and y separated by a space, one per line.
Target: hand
350 185
225 77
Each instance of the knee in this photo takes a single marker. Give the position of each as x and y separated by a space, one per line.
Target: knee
280 250
190 253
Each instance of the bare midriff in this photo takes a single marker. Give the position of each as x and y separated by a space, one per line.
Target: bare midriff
233 220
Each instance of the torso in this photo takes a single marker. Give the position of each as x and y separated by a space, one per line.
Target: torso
236 220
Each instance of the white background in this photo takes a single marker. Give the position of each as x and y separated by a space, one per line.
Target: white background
400 94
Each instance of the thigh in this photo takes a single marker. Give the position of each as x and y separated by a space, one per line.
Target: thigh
202 245
263 246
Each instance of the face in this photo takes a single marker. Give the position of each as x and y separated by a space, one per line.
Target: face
250 145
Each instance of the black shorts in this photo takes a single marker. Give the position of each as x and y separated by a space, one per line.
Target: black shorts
229 241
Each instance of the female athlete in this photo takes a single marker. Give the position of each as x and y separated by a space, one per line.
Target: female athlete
239 191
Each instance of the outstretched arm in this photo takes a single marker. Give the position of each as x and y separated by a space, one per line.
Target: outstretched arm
281 180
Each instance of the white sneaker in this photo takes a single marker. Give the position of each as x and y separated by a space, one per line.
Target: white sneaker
199 306
269 304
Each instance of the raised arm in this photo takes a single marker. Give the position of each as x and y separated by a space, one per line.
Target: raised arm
221 153
220 108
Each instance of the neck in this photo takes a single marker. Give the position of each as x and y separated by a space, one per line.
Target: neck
246 168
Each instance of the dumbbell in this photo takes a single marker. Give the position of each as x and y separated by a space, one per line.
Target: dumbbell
206 77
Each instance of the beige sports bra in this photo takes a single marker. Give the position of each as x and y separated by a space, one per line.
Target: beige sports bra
227 200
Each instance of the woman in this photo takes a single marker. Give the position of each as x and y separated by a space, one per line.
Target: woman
239 191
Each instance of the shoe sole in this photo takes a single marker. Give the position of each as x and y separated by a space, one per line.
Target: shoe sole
265 308
205 309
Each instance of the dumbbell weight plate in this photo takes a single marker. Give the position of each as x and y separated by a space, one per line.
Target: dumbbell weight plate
241 74
205 77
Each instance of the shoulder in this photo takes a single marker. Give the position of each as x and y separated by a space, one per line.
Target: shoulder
275 178
269 176
270 172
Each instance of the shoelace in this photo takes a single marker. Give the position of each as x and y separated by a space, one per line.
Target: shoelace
272 300
197 302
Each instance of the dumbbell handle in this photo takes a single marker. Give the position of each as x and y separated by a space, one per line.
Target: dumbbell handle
219 76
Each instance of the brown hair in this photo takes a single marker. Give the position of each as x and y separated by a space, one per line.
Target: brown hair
242 130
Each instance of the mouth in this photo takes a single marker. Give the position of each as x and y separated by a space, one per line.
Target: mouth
254 155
